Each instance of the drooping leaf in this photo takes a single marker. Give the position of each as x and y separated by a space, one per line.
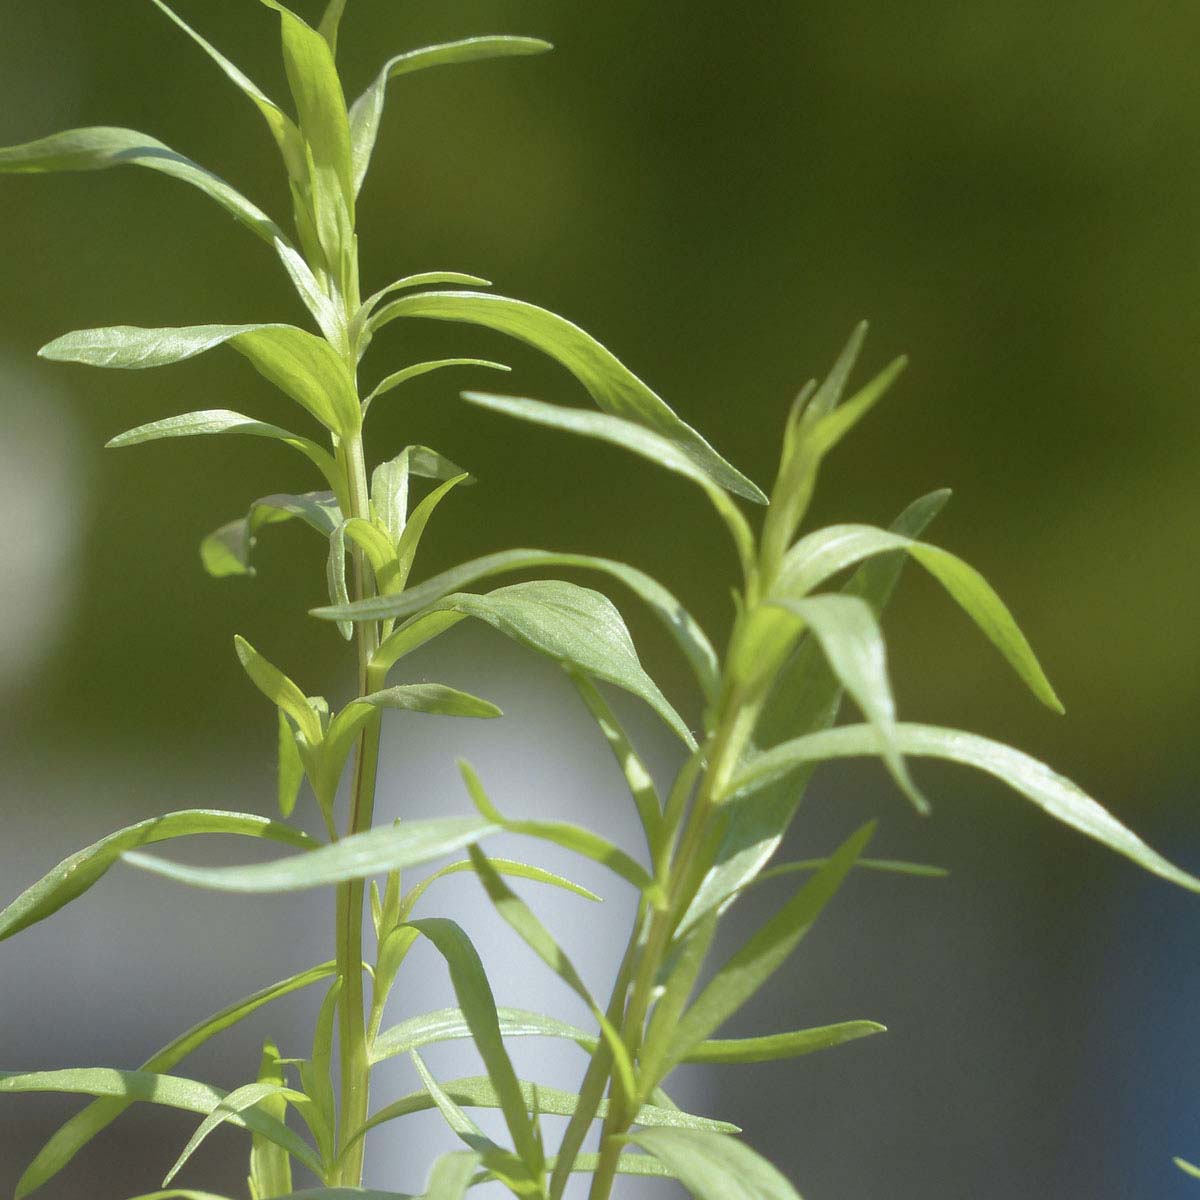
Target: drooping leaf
714 1166
1050 791
303 366
474 995
614 388
805 697
74 875
559 833
679 623
356 857
168 1090
764 953
227 551
220 420
848 633
397 378
573 625
524 922
821 554
367 111
449 1024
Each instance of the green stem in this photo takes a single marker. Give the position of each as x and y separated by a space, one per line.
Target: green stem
352 1029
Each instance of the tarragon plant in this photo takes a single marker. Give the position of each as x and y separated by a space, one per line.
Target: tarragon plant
769 705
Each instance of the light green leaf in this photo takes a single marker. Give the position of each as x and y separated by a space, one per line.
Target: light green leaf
331 22
367 111
614 388
280 690
570 837
303 366
97 1116
765 952
848 633
356 857
236 1102
291 768
451 1176
221 420
316 1074
449 1024
522 919
424 368
714 1166
637 777
570 624
390 483
627 1164
454 1116
101 147
423 279
1050 791
477 1091
821 554
307 1194
414 529
168 1090
776 1046
887 866
679 623
474 995
227 550
74 875
805 697
1187 1167
270 1166
413 634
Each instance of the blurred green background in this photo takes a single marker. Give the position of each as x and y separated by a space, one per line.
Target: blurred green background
1008 190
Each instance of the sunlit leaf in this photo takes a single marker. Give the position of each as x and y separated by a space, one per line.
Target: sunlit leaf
356 857
97 1116
1187 1167
390 483
1050 791
220 420
614 388
227 551
290 772
74 875
827 551
280 690
449 1024
302 365
764 953
367 111
424 368
414 529
270 1166
168 1090
776 1046
714 1166
451 1176
687 634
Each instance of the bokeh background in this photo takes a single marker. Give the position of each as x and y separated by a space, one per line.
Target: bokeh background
1009 190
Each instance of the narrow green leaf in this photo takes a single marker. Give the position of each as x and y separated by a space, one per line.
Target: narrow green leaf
76 874
220 420
97 1116
888 866
227 551
1050 791
829 395
168 1090
454 1116
766 951
679 623
280 690
307 1194
522 919
397 378
1187 1167
331 22
827 551
778 1046
714 1166
477 1091
637 777
367 111
848 633
317 1074
414 529
356 857
270 1166
412 635
570 837
451 1176
423 279
101 147
572 625
805 697
390 483
303 366
474 995
449 1024
238 1101
614 388
291 769
627 1164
